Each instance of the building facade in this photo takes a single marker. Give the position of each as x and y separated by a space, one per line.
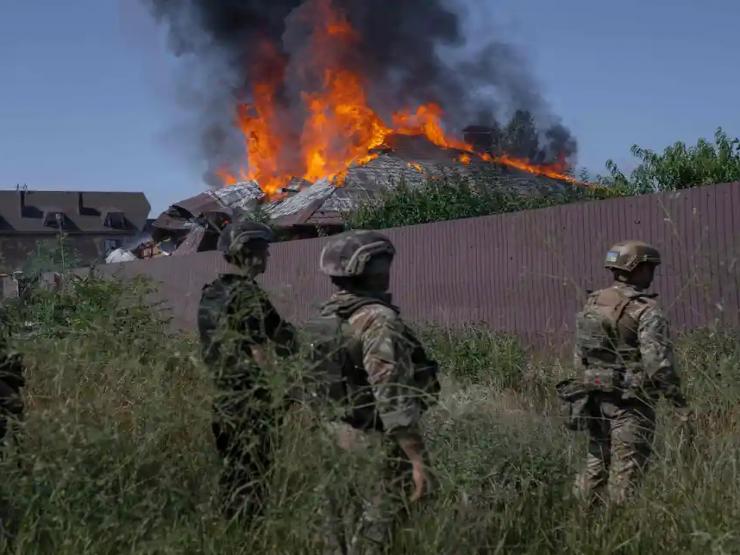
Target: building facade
92 223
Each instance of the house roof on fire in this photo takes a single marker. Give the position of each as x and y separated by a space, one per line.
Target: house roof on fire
45 212
410 159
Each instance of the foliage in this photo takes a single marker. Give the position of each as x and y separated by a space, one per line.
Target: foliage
455 198
681 166
116 454
473 354
51 256
520 138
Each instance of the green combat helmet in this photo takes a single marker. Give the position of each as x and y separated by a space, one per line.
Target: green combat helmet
239 238
627 255
349 253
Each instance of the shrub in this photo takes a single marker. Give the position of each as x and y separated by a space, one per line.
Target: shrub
456 198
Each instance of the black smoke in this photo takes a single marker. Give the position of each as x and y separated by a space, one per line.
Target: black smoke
402 50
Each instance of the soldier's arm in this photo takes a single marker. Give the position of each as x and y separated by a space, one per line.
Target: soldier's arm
387 358
389 368
280 331
656 349
11 363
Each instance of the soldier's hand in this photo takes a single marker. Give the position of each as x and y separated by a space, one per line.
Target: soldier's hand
684 414
412 445
421 482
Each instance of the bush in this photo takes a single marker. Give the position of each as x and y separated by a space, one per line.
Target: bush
456 198
476 355
681 166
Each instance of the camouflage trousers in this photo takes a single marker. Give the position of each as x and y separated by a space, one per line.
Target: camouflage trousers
11 408
244 443
363 521
620 444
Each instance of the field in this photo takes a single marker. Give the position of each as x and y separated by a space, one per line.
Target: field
116 456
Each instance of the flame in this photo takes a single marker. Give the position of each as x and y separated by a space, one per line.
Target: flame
416 166
340 128
226 176
553 171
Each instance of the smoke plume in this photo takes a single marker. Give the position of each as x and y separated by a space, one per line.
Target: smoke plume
401 48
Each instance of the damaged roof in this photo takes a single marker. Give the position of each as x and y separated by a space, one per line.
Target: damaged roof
412 160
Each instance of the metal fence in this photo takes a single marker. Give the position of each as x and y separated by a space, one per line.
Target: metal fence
523 273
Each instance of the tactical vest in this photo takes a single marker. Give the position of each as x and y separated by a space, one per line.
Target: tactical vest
224 349
607 336
337 369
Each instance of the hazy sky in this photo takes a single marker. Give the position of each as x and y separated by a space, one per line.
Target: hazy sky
87 87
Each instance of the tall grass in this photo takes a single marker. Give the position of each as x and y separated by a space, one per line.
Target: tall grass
116 454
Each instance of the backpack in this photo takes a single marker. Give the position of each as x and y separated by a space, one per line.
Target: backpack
334 357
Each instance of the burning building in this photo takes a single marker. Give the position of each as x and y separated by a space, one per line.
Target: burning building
310 104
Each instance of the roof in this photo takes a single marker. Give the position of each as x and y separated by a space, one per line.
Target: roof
24 211
179 215
412 160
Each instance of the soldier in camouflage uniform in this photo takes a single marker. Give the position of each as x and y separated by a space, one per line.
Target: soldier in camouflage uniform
242 339
625 356
387 379
11 380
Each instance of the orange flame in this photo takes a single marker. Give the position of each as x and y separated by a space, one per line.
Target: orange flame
340 128
553 171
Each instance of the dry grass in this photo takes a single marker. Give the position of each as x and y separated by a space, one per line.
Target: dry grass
116 454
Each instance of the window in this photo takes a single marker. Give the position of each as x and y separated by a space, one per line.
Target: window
115 220
54 219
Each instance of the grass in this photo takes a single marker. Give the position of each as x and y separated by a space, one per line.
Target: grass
116 454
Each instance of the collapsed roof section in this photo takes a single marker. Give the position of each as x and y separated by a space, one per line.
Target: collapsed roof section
304 207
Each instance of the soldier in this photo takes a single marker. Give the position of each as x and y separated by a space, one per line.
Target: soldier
625 355
385 382
241 333
11 380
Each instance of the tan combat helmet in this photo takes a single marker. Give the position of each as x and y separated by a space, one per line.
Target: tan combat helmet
348 254
627 255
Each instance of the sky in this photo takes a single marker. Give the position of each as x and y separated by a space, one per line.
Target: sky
88 87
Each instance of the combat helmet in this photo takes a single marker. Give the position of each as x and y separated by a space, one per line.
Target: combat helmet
238 238
627 255
348 254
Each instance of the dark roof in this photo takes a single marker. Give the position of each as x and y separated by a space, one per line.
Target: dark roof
82 212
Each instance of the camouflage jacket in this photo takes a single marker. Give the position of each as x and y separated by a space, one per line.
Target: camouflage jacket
11 365
381 348
236 316
642 341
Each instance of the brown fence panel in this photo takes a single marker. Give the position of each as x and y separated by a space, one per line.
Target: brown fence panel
524 273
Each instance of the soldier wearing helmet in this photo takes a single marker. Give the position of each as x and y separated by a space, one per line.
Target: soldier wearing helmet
625 357
387 376
242 338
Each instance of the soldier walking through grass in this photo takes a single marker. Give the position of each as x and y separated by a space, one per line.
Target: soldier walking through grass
624 354
383 383
243 339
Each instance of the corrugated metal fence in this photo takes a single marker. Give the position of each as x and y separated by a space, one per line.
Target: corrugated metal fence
523 273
